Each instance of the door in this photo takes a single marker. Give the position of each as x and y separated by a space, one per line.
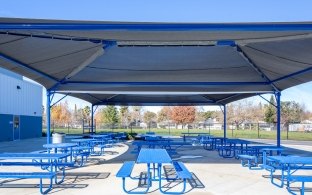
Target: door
16 127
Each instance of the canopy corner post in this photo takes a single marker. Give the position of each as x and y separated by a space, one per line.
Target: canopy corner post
278 118
92 118
48 117
224 121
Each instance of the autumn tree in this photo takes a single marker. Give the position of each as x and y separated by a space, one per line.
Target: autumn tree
60 114
183 114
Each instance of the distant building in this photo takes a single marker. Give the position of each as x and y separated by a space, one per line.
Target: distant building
20 107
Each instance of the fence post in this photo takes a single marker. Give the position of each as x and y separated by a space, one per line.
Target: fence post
258 130
131 127
232 131
287 130
169 129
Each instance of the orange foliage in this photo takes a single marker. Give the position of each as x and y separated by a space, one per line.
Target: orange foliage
183 114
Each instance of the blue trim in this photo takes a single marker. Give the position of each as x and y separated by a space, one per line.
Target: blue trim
48 120
278 116
293 74
109 44
159 27
257 69
59 100
226 43
153 103
21 64
167 83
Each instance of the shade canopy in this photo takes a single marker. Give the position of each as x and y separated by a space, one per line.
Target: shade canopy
158 63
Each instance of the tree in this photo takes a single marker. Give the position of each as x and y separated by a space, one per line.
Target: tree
164 114
124 114
149 117
291 112
183 114
60 114
110 114
270 111
136 114
208 115
86 112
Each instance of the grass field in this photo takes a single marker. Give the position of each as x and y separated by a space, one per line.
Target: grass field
252 134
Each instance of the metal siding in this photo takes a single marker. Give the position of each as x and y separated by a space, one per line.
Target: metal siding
30 126
6 127
25 101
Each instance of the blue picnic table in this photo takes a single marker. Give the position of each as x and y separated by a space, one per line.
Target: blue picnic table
289 166
194 134
154 159
49 162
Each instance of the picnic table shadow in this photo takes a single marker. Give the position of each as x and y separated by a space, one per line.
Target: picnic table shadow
71 181
171 182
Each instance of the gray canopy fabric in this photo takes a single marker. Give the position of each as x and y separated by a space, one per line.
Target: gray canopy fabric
158 63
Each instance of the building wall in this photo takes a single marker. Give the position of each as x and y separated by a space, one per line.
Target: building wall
27 100
6 127
31 126
21 98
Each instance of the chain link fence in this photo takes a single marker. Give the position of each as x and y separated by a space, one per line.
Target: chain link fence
298 131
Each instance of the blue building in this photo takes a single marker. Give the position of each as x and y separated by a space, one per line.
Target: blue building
20 107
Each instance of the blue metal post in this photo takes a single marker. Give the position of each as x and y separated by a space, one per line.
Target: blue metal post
224 120
48 120
278 116
92 115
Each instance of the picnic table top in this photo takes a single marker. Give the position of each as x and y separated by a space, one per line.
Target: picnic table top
73 136
291 159
99 136
32 156
195 133
59 145
82 140
153 156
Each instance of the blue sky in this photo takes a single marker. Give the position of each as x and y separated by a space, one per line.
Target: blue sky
170 11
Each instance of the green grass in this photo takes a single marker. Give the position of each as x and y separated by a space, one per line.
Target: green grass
251 134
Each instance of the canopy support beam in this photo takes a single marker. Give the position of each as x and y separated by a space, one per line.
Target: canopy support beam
92 118
224 120
48 118
293 74
267 100
59 100
278 118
